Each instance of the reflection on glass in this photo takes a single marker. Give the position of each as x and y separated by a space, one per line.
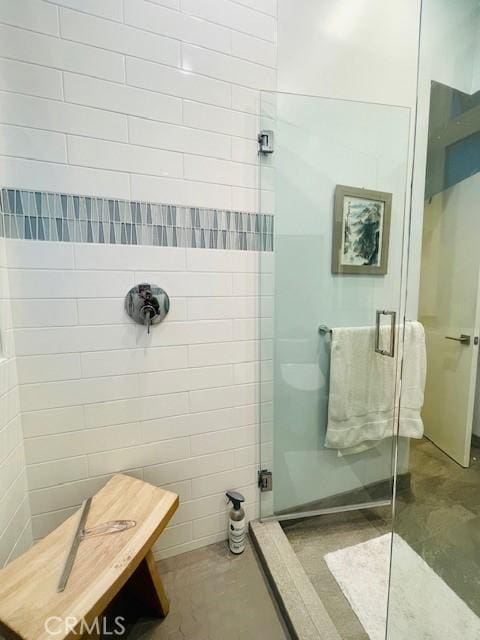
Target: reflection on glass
435 589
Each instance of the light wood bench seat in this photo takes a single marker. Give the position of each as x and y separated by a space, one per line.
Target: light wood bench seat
103 566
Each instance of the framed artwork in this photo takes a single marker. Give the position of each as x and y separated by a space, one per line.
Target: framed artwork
361 230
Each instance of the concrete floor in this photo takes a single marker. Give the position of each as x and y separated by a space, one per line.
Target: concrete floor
439 517
217 596
214 595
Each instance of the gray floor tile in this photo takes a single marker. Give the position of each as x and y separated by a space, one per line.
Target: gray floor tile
439 516
214 596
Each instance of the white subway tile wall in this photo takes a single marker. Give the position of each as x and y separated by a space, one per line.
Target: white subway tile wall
99 395
177 83
15 525
149 100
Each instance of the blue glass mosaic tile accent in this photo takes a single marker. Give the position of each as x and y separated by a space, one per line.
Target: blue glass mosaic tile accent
38 215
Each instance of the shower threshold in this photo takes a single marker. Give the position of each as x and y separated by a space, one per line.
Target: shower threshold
303 611
303 605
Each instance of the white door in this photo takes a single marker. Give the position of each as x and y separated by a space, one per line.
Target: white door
449 312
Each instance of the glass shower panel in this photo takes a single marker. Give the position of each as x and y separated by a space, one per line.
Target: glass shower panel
319 144
435 551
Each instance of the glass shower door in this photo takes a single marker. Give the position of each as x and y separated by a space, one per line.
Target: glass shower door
329 173
435 552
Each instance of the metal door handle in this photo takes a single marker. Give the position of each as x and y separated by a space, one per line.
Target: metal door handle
464 339
393 316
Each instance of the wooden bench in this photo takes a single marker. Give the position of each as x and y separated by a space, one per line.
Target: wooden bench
104 565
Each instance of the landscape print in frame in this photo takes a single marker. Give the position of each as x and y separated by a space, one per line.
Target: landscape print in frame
361 230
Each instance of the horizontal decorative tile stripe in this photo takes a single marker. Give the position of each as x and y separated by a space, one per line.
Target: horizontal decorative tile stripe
39 215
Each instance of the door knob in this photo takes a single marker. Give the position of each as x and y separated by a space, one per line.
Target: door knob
464 339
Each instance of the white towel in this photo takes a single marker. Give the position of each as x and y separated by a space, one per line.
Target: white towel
364 387
413 381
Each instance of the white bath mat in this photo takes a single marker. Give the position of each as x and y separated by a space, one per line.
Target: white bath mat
422 605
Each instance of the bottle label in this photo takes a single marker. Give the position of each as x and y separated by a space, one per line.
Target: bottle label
237 533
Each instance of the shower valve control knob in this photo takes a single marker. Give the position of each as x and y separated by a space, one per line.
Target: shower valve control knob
147 304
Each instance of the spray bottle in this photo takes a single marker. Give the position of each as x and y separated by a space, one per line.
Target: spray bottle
237 529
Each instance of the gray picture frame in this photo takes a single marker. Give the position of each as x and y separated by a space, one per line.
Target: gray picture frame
378 202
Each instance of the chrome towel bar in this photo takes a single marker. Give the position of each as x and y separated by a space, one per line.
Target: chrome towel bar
323 329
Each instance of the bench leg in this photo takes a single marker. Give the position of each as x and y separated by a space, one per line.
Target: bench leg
146 585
